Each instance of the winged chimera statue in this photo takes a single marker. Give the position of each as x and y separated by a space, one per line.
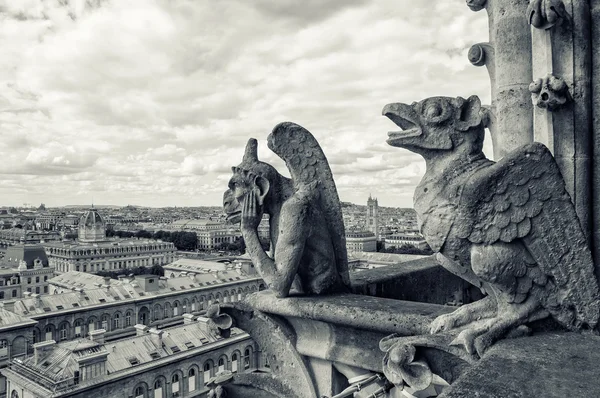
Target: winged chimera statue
507 227
306 226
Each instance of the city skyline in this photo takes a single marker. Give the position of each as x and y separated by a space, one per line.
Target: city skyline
151 102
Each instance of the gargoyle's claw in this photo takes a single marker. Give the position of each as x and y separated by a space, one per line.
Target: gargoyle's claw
442 323
466 338
482 343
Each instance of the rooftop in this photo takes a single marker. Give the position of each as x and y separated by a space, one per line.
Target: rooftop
60 361
86 292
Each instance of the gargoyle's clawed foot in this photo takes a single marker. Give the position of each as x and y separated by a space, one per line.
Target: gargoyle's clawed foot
466 338
443 323
482 309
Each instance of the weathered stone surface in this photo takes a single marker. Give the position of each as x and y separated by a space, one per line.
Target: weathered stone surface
306 225
507 227
551 365
361 312
407 281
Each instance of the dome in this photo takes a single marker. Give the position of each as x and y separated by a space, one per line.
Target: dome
92 227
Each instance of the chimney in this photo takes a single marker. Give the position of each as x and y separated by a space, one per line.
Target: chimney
123 278
107 280
156 336
140 330
40 348
9 305
97 336
38 300
81 293
188 318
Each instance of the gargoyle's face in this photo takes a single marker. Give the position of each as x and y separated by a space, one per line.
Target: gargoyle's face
433 123
241 184
233 198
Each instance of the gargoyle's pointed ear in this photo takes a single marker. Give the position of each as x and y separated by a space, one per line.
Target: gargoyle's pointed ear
468 113
263 186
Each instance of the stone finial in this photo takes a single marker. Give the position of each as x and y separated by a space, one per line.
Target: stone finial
544 14
549 92
476 5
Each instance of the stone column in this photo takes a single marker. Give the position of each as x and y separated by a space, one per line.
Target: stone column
562 92
595 107
510 39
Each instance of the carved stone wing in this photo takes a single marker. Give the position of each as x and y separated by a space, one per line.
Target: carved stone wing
310 171
523 196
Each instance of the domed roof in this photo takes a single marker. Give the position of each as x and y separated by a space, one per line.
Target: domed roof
92 227
90 218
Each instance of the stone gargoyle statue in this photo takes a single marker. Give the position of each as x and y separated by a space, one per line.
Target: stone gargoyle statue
306 225
508 227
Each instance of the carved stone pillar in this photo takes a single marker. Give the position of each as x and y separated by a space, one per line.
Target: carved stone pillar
595 108
510 72
562 93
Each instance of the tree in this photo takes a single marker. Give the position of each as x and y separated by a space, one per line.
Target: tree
143 234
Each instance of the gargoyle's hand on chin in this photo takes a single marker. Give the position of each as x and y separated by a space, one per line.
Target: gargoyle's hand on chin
251 212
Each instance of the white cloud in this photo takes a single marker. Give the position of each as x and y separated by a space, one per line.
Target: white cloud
153 101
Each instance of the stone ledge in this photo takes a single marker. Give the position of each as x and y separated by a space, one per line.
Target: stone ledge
549 365
422 280
356 311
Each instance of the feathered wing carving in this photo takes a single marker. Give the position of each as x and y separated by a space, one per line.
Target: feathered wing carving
311 173
523 196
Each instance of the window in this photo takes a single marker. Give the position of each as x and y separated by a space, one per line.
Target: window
48 331
37 279
128 319
192 380
116 321
247 354
45 278
29 281
234 363
37 289
1 295
158 389
175 309
45 289
207 371
221 364
3 348
139 392
63 332
14 293
77 325
175 385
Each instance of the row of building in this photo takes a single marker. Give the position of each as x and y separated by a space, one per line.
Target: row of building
80 307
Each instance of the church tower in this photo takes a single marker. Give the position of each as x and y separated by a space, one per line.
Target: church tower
372 209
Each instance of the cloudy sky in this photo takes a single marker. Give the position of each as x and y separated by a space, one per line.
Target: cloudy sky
150 102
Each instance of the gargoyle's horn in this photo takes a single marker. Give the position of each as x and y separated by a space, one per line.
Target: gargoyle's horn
251 154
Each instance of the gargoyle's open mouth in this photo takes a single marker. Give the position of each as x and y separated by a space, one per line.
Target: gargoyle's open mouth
404 117
235 217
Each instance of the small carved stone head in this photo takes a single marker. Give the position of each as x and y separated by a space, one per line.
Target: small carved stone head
550 92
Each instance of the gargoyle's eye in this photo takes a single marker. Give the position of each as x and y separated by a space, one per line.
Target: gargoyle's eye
436 110
433 110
